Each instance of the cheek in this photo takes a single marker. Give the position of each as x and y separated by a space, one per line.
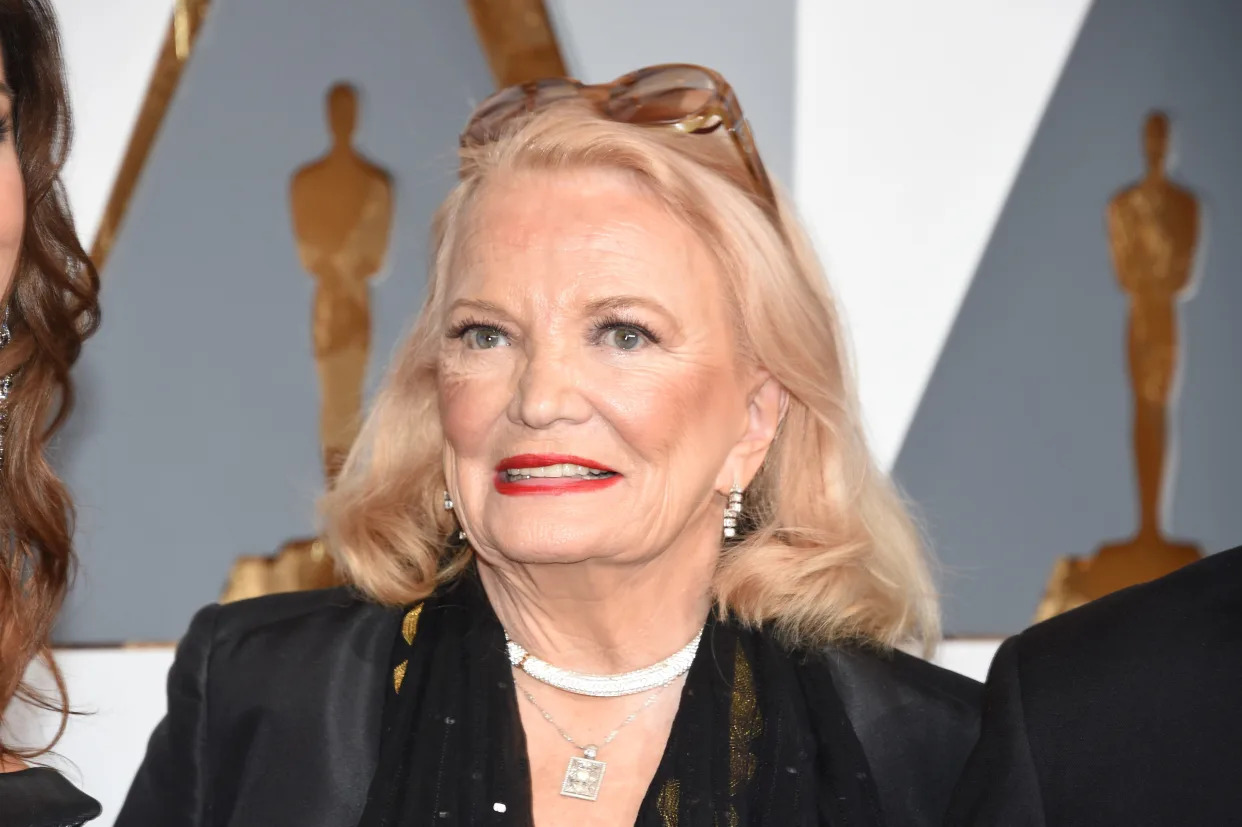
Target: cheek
471 401
12 215
678 412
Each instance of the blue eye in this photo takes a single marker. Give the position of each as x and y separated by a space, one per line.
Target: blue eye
624 337
481 337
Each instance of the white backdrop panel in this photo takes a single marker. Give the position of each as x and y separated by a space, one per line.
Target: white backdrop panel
911 121
110 48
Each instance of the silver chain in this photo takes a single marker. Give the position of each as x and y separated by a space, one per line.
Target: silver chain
547 716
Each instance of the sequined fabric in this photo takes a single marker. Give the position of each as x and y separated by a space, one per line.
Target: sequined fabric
409 624
669 802
409 628
745 724
398 675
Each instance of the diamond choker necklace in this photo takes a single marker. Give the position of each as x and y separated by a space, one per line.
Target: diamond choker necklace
605 686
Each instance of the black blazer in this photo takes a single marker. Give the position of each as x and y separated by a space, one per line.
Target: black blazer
274 709
1127 711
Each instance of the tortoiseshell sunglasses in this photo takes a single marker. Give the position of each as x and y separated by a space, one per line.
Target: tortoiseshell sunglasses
688 98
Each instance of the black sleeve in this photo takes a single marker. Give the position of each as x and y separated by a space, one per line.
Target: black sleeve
1000 785
170 789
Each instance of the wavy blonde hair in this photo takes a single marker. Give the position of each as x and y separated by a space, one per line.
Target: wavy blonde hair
830 553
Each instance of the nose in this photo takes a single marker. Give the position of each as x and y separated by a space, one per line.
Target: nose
548 391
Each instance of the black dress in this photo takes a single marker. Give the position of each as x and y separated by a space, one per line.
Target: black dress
40 797
1125 712
285 711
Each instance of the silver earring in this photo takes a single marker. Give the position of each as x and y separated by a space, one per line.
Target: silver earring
732 511
448 506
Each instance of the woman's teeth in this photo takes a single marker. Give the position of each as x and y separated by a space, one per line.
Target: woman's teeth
563 469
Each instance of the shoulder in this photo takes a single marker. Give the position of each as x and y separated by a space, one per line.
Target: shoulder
289 612
1124 200
265 636
283 660
902 678
378 177
916 722
306 174
39 797
1187 624
295 681
1067 697
1184 196
1199 604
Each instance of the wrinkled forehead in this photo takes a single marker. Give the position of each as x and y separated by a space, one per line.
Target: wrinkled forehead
569 232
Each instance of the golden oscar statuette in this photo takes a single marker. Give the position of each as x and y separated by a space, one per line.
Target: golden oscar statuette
1153 230
342 207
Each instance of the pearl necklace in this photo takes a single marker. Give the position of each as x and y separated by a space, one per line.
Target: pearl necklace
605 686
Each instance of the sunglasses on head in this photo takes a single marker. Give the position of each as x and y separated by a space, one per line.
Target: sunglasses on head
690 99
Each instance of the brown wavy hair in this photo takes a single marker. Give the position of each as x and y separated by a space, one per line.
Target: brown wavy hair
53 306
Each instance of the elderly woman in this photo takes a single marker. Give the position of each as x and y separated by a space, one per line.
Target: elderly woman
646 570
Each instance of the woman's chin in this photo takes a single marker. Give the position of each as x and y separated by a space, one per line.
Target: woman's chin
559 551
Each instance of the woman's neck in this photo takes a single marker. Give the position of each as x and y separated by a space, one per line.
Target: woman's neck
11 764
603 617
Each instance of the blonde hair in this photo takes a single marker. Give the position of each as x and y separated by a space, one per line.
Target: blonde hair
831 553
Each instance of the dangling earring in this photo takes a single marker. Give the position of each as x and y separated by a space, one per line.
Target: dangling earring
448 506
732 511
6 383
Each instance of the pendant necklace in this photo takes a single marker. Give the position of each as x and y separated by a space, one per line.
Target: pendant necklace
585 775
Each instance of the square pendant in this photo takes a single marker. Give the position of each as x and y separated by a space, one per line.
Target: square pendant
582 778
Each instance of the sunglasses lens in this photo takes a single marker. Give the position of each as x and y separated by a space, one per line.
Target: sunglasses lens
492 112
491 115
552 91
660 96
655 81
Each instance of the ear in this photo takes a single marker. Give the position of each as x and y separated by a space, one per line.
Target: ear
768 402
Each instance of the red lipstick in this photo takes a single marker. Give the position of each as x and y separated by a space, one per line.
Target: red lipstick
540 460
549 485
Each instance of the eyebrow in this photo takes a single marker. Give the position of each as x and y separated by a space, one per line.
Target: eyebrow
593 308
479 304
5 89
613 303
